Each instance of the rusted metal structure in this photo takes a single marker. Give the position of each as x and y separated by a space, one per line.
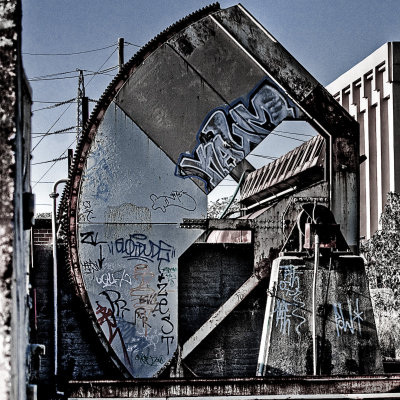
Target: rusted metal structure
179 117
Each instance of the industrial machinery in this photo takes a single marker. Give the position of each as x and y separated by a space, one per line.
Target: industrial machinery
284 292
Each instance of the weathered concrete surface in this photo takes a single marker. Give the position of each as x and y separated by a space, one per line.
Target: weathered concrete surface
347 341
8 67
14 180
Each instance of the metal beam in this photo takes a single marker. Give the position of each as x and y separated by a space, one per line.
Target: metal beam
219 315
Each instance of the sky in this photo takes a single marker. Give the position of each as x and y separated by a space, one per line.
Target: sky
326 37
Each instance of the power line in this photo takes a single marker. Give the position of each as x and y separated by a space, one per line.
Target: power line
72 53
45 182
46 102
49 161
55 132
94 75
56 105
102 65
59 101
40 134
48 132
132 44
52 165
55 76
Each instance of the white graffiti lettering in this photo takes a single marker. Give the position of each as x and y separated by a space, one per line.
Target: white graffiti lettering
352 323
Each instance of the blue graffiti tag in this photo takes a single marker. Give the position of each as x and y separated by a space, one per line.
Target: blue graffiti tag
139 247
229 133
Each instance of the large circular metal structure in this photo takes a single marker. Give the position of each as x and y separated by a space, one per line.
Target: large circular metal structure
179 117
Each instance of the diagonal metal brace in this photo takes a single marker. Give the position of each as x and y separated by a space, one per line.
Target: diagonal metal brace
219 315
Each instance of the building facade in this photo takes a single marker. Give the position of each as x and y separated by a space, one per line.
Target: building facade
370 92
16 210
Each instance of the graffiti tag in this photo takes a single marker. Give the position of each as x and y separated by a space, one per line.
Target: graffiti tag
139 247
288 307
175 199
229 133
353 320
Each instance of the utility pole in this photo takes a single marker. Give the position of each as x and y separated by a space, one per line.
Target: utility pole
120 53
82 105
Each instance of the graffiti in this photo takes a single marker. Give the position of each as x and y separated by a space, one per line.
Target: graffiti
168 273
114 279
143 297
353 321
288 307
117 304
283 316
149 360
175 199
100 171
139 247
90 238
162 307
228 134
90 267
168 341
107 316
86 212
133 301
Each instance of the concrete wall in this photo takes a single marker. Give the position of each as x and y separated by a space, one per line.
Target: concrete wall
14 181
81 355
346 337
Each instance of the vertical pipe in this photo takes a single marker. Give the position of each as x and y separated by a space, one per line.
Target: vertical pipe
120 53
314 298
268 318
54 196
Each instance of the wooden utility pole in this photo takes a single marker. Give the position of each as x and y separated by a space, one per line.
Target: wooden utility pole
120 53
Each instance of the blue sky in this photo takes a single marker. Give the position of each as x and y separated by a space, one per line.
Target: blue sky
327 37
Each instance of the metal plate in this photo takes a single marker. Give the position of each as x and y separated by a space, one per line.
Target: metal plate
129 241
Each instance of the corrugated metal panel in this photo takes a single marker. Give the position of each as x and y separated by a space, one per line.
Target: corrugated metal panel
299 160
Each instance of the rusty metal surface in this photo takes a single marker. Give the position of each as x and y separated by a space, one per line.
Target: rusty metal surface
235 387
180 108
267 51
300 159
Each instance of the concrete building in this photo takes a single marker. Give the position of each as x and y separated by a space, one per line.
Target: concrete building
16 209
370 92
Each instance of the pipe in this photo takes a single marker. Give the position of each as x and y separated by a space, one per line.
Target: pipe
265 341
54 196
275 196
234 196
314 311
